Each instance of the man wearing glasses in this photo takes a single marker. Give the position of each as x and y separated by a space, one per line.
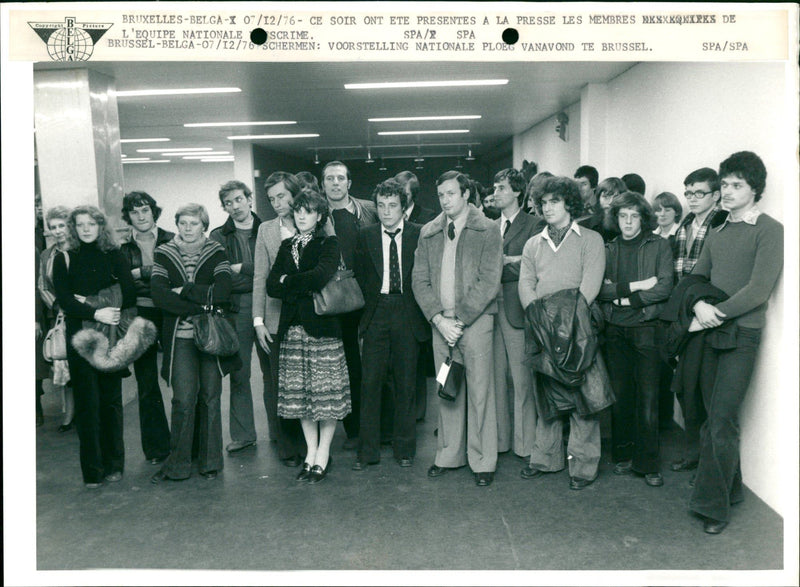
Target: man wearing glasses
701 190
238 236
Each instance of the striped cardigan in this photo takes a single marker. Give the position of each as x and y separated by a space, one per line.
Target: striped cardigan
212 268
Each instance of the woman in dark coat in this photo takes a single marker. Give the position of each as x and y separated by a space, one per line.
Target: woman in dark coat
313 384
93 262
184 270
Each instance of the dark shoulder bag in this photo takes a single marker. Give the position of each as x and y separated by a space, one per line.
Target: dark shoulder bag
213 334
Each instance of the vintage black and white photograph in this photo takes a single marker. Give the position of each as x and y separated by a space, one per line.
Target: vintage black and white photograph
425 315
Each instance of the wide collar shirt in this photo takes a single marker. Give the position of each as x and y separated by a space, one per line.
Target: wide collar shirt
146 241
574 227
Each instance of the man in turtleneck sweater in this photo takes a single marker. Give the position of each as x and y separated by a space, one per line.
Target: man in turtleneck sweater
638 280
238 236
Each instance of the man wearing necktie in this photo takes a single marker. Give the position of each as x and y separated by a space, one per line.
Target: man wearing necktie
456 278
392 326
516 413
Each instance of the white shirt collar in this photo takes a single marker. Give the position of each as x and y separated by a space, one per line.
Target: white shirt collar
510 218
409 210
137 234
672 230
749 217
400 226
574 227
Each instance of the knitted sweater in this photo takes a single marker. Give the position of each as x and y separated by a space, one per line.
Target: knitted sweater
579 261
744 260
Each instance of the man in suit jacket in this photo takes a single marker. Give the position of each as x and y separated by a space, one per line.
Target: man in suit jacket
392 326
416 212
456 278
509 325
421 215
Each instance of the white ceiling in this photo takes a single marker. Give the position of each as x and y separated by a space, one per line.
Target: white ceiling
313 94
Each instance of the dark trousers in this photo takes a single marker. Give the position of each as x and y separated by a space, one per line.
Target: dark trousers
242 424
98 418
353 357
694 414
152 416
196 391
389 342
425 369
287 433
724 379
634 366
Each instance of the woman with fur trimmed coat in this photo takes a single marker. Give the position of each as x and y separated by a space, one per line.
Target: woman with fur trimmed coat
92 263
184 270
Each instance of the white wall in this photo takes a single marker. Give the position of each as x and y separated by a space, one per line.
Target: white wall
667 119
542 144
175 184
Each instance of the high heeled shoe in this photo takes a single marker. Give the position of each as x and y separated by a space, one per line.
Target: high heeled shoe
304 472
66 427
317 473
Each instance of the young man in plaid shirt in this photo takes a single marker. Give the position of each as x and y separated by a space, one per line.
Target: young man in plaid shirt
701 190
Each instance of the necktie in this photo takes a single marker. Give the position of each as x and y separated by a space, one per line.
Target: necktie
451 231
394 264
505 227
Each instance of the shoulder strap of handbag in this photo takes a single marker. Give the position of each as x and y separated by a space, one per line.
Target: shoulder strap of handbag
210 297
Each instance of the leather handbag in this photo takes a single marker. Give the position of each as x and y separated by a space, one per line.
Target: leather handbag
341 294
213 334
450 378
54 347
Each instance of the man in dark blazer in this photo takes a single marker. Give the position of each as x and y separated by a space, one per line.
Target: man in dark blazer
392 325
516 414
418 214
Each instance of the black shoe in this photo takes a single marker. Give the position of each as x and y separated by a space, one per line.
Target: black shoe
65 427
654 479
683 465
405 461
317 473
437 471
713 526
531 473
484 479
156 460
161 476
623 468
577 483
304 472
360 465
210 475
293 461
238 445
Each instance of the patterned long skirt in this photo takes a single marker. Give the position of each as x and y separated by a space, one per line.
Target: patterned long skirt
313 383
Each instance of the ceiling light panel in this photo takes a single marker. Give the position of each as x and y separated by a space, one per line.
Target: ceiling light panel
419 118
161 140
175 92
175 150
422 132
261 123
426 84
270 137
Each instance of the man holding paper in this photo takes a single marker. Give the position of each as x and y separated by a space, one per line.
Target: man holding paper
456 279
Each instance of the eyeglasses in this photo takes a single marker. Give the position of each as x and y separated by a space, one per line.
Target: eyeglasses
696 195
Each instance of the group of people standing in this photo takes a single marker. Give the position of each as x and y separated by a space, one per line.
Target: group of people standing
577 297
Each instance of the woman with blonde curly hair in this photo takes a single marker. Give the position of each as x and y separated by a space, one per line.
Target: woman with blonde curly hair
93 262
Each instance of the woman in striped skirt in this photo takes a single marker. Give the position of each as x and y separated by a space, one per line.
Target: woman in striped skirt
313 384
